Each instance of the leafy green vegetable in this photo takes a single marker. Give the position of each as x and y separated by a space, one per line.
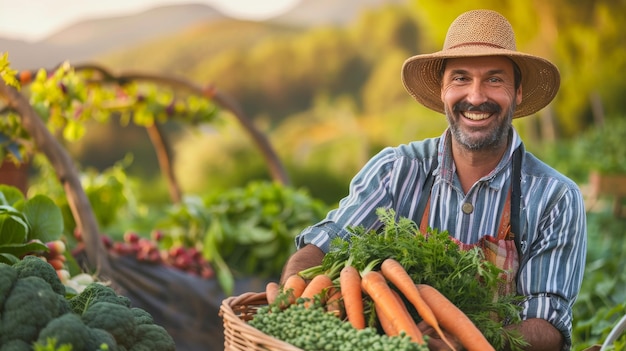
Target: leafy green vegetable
13 225
25 224
243 231
44 217
10 195
602 299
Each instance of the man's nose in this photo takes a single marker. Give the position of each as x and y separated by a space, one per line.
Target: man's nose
476 94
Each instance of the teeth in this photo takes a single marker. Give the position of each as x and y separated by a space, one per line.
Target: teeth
476 116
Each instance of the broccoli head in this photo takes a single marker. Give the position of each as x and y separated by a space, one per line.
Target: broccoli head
15 345
94 293
8 276
100 339
30 305
152 337
66 329
116 319
142 316
70 329
35 266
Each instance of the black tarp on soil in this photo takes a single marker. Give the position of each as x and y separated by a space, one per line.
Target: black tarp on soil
187 306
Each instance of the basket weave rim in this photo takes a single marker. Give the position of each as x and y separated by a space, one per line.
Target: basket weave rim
233 323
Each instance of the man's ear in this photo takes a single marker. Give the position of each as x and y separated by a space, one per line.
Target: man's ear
518 95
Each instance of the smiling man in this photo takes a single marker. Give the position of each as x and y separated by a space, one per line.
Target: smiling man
476 180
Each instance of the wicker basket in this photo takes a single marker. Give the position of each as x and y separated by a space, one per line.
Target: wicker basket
236 311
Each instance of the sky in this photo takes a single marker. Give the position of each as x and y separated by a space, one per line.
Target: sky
32 20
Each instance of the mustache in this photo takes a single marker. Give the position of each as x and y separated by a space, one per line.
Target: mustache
489 107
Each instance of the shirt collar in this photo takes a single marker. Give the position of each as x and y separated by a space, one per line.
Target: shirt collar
496 179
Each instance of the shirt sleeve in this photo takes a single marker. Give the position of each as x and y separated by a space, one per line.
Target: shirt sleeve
368 190
552 270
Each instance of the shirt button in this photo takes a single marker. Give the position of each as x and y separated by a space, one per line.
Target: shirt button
467 208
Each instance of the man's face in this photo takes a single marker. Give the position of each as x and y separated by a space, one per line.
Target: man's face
479 97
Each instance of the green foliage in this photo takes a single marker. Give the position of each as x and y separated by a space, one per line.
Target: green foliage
220 158
599 148
111 194
25 224
243 231
66 99
69 99
590 49
601 303
604 148
8 74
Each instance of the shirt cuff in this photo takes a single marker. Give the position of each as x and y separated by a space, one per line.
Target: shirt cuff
319 235
555 310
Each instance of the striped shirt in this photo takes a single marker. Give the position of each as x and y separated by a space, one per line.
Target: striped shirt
552 224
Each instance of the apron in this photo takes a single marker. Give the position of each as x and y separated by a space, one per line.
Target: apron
503 249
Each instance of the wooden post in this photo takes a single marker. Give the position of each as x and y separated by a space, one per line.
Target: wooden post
610 185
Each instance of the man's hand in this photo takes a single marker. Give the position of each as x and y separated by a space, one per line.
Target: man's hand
306 257
435 343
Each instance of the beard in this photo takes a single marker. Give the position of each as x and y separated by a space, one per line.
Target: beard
494 137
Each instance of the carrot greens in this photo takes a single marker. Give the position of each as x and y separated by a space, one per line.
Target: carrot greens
434 258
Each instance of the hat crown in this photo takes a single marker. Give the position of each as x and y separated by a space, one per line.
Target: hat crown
480 28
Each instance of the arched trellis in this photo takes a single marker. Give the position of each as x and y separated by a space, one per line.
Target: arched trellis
64 165
211 92
103 76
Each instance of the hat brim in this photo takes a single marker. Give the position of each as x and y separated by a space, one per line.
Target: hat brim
540 78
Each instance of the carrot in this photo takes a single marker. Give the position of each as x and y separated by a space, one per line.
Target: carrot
294 285
396 274
272 289
385 322
350 284
316 287
333 302
375 285
453 320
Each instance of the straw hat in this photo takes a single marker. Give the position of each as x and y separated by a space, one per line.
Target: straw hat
481 33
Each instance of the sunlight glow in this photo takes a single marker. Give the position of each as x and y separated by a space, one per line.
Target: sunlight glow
33 20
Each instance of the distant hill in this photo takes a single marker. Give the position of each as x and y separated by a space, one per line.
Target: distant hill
89 39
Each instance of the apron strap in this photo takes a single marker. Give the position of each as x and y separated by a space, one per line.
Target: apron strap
516 197
424 222
423 206
504 231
